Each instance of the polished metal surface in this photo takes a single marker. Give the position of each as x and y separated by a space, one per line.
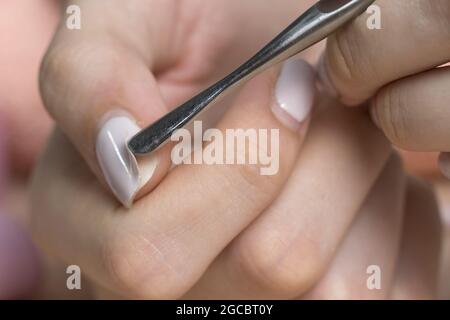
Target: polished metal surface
314 25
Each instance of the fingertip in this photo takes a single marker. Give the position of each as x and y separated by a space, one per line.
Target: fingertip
295 94
129 177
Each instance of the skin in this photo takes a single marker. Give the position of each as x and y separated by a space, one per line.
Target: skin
140 253
409 100
308 165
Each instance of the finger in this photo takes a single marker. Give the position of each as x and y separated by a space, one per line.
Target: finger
413 112
418 264
359 61
113 75
163 244
96 84
371 247
340 161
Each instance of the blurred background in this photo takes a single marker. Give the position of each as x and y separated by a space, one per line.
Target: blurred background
26 28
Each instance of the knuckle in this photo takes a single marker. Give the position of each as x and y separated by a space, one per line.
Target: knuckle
271 264
138 268
254 181
254 188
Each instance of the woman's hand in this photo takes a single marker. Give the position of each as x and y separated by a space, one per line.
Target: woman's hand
396 67
141 67
217 231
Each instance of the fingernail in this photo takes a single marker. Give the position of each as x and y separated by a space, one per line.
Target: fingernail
294 93
324 78
444 164
124 175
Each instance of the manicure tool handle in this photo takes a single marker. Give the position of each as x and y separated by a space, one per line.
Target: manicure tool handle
314 25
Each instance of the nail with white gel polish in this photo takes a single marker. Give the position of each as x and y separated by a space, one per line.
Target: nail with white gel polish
124 175
294 93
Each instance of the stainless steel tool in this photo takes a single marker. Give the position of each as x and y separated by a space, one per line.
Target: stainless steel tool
322 19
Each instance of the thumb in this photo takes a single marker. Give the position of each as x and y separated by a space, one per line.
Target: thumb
100 95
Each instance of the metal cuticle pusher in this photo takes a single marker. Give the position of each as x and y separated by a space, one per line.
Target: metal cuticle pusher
317 23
